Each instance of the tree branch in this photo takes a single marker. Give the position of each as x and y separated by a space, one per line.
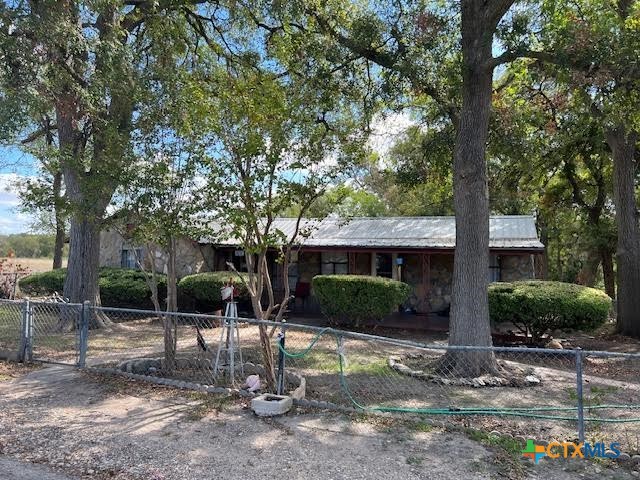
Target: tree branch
389 61
510 56
37 134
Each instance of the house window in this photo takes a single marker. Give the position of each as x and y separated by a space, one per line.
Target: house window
239 261
129 257
334 263
384 265
494 268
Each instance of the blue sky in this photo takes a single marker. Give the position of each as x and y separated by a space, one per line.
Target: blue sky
14 164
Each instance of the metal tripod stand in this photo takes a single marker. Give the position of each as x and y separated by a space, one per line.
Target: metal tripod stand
229 344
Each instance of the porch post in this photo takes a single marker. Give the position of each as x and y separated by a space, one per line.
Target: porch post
352 262
374 273
426 278
394 266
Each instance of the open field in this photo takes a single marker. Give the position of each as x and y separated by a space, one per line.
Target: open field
38 264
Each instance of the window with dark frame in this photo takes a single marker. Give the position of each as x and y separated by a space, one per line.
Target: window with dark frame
334 263
129 257
494 268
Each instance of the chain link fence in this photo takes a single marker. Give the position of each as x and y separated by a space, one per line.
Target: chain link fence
537 393
55 328
11 324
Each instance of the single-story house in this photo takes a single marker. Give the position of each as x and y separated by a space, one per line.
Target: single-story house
416 250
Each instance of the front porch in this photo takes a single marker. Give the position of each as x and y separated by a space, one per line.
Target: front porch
428 272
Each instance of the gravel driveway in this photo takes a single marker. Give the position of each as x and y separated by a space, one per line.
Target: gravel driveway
72 425
17 470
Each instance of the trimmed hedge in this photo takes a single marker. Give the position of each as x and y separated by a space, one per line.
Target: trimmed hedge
203 289
540 306
122 287
354 299
119 287
45 283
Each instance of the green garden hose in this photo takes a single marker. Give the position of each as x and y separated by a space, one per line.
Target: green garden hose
529 412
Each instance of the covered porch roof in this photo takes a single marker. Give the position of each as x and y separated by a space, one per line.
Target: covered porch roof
506 232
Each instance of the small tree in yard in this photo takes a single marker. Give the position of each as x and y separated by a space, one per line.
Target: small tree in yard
159 208
272 151
160 202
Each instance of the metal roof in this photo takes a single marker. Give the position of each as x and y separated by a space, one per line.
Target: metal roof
505 232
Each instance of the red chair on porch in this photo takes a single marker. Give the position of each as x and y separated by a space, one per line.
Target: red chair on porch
303 290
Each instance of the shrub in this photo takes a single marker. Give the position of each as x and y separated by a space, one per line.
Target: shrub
203 289
123 287
354 299
44 283
538 306
119 287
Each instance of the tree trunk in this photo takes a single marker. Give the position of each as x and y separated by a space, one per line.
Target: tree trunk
608 273
589 270
469 321
60 230
541 260
623 145
256 279
169 321
152 277
81 280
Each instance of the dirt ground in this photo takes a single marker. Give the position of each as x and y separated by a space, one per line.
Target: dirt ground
58 423
371 382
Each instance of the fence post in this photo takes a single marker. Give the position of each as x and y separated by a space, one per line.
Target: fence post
83 334
281 360
579 358
26 333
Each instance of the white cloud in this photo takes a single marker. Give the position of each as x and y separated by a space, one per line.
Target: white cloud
387 130
8 199
12 221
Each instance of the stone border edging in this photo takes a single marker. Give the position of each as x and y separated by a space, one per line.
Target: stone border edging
297 394
395 363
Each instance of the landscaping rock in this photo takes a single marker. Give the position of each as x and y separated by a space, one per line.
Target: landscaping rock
532 380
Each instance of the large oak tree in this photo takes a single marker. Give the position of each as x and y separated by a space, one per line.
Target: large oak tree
93 64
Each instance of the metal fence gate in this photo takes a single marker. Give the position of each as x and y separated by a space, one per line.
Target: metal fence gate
43 331
55 331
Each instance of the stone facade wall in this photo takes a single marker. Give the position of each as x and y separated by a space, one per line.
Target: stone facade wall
412 274
516 267
441 277
191 257
111 246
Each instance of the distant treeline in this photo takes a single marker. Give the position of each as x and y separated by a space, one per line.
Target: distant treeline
27 245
